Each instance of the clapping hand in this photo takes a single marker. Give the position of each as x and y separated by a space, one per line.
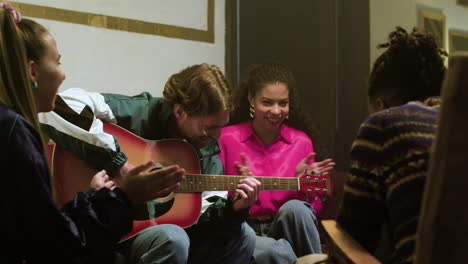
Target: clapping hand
143 183
102 180
243 167
248 189
315 168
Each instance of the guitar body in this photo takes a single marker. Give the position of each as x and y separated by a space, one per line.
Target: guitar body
72 175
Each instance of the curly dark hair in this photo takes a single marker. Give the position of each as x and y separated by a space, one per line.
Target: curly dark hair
255 78
412 68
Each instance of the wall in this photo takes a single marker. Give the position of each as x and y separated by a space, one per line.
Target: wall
385 15
107 60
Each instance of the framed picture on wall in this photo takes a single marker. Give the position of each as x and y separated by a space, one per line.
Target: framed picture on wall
463 3
433 22
458 40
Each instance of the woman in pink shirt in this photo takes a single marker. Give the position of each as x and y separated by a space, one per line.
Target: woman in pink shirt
268 135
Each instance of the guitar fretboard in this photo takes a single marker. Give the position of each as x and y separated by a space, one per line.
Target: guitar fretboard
201 183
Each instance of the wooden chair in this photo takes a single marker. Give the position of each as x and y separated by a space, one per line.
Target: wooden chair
331 204
342 248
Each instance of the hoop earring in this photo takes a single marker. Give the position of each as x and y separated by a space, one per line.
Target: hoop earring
35 85
252 111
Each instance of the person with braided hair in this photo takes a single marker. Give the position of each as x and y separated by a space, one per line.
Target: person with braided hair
195 106
390 155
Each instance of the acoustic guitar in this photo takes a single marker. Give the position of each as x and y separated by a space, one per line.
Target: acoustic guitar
72 175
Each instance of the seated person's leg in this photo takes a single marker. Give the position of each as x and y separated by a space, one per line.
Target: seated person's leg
158 244
297 223
272 251
212 247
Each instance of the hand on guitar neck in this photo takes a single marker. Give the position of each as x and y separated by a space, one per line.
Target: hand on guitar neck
303 168
246 194
248 189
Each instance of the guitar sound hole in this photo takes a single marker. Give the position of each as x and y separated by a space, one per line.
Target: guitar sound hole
163 207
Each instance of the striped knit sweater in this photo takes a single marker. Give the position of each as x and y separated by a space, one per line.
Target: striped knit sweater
389 162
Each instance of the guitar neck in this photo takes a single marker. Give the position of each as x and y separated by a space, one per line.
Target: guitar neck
203 182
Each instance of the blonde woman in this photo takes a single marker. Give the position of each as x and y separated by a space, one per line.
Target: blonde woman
35 230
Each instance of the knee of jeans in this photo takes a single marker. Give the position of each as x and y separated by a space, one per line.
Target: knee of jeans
178 238
295 209
172 236
248 235
277 251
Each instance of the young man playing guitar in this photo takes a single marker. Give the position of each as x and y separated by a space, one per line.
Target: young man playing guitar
195 107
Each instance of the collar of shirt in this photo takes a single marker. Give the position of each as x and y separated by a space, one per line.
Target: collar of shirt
247 132
433 103
210 149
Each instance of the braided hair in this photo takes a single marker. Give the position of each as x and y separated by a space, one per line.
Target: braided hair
200 89
412 68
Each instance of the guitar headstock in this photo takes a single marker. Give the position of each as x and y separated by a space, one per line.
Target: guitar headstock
315 183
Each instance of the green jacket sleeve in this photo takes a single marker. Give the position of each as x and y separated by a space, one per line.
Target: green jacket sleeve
73 125
98 157
141 114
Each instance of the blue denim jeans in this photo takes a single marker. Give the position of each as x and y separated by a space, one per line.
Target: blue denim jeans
293 233
172 244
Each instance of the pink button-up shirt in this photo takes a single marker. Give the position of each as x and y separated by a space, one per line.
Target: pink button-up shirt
279 159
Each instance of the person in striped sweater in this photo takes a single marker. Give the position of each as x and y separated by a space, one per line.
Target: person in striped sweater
390 155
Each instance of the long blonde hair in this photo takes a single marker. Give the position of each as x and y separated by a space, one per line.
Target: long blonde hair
15 86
